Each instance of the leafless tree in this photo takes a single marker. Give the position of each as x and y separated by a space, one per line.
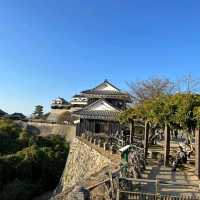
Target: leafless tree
147 89
188 84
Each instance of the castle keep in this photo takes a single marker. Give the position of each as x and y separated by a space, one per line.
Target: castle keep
100 116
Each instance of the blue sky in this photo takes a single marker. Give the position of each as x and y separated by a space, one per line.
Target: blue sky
51 48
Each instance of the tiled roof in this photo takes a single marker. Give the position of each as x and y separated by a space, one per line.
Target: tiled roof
98 114
88 112
110 93
107 94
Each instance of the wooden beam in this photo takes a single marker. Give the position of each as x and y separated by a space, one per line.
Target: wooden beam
197 152
166 145
146 138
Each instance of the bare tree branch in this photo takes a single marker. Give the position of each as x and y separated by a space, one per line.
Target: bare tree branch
188 84
147 89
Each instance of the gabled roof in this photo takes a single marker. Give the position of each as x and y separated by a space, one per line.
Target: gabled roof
105 86
100 105
100 109
17 115
106 90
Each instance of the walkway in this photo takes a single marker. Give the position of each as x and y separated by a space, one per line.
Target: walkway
183 181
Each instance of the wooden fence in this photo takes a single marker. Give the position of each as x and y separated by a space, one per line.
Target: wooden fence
127 195
157 194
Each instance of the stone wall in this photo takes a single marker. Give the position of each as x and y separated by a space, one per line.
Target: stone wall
83 161
55 114
45 129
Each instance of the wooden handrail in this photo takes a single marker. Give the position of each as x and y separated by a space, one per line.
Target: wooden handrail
163 182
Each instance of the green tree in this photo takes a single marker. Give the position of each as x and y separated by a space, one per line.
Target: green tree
18 189
187 114
38 113
9 133
28 163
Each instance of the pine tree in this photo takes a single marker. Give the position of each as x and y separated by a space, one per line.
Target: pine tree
38 113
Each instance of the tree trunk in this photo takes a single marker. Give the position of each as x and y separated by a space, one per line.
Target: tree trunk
146 139
189 134
197 153
166 145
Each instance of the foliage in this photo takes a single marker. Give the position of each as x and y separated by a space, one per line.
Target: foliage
186 114
178 110
157 102
9 133
38 113
34 165
17 189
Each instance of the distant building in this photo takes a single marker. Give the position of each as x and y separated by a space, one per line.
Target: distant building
16 116
60 103
96 109
2 113
105 102
78 101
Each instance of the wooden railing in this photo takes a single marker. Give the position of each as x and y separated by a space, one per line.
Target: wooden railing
159 182
147 196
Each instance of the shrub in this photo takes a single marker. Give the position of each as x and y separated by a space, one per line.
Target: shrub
29 165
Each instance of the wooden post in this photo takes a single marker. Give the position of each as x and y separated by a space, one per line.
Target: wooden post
157 185
117 198
80 127
146 138
166 145
118 187
111 182
132 131
78 130
197 152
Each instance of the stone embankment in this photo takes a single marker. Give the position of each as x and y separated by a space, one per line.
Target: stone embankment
45 129
87 165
